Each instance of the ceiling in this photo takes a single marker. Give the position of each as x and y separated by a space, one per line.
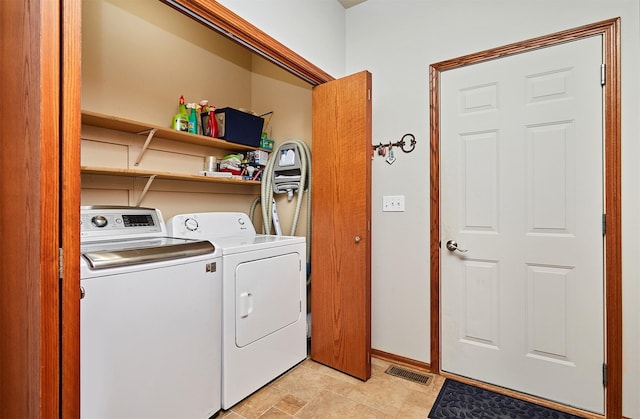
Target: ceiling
348 3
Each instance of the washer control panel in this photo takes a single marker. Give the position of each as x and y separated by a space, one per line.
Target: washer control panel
99 221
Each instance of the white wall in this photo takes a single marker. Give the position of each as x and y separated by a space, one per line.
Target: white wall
313 29
139 73
396 41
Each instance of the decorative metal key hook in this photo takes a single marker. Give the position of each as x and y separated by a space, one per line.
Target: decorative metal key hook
402 143
412 141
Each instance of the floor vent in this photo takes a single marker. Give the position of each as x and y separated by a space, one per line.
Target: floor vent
416 377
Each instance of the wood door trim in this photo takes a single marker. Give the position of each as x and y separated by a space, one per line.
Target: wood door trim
47 159
610 31
70 209
219 18
29 292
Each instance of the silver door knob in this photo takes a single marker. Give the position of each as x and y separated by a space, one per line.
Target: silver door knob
357 239
452 246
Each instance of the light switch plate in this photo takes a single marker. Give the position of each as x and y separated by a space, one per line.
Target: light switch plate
393 203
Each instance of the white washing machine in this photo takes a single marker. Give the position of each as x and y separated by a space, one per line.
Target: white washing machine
150 318
264 300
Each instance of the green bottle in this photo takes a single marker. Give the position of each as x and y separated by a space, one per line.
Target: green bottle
193 121
181 119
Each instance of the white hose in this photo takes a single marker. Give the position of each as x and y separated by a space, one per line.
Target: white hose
266 194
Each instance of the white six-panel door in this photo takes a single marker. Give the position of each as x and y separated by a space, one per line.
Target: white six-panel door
522 193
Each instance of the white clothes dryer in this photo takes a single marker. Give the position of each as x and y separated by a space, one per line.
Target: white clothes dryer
264 300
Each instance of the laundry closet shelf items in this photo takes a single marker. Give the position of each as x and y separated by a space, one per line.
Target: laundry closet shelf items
141 128
164 175
151 131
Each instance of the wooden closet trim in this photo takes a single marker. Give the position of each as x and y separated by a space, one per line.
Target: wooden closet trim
610 31
229 24
70 79
29 292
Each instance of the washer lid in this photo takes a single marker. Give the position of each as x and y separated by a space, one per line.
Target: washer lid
111 254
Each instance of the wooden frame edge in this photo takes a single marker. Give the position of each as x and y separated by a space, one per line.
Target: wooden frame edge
613 208
46 293
610 31
434 203
70 210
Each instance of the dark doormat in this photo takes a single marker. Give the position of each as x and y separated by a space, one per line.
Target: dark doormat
458 400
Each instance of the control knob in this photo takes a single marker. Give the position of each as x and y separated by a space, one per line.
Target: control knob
191 224
99 221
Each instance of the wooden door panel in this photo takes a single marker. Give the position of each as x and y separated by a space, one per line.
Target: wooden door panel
341 213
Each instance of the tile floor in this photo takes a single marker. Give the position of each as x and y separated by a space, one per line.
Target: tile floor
312 390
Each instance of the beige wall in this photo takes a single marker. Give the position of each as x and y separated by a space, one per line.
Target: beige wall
137 59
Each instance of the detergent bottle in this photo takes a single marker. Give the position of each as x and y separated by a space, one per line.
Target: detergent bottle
181 119
213 122
205 128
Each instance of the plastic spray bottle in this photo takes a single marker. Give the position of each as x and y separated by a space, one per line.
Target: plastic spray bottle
193 120
204 118
181 119
213 122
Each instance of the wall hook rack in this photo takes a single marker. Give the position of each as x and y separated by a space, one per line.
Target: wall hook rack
401 144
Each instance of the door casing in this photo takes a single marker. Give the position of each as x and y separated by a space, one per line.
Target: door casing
40 201
610 31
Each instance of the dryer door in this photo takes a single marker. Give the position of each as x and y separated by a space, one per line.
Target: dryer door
267 296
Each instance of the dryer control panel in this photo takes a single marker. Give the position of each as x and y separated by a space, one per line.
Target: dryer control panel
211 224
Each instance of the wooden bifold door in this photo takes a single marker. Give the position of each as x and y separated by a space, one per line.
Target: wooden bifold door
341 225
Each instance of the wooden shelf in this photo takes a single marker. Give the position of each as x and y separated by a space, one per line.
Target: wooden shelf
165 175
134 127
151 131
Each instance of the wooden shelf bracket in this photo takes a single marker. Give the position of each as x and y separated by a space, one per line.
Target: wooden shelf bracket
146 144
145 189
